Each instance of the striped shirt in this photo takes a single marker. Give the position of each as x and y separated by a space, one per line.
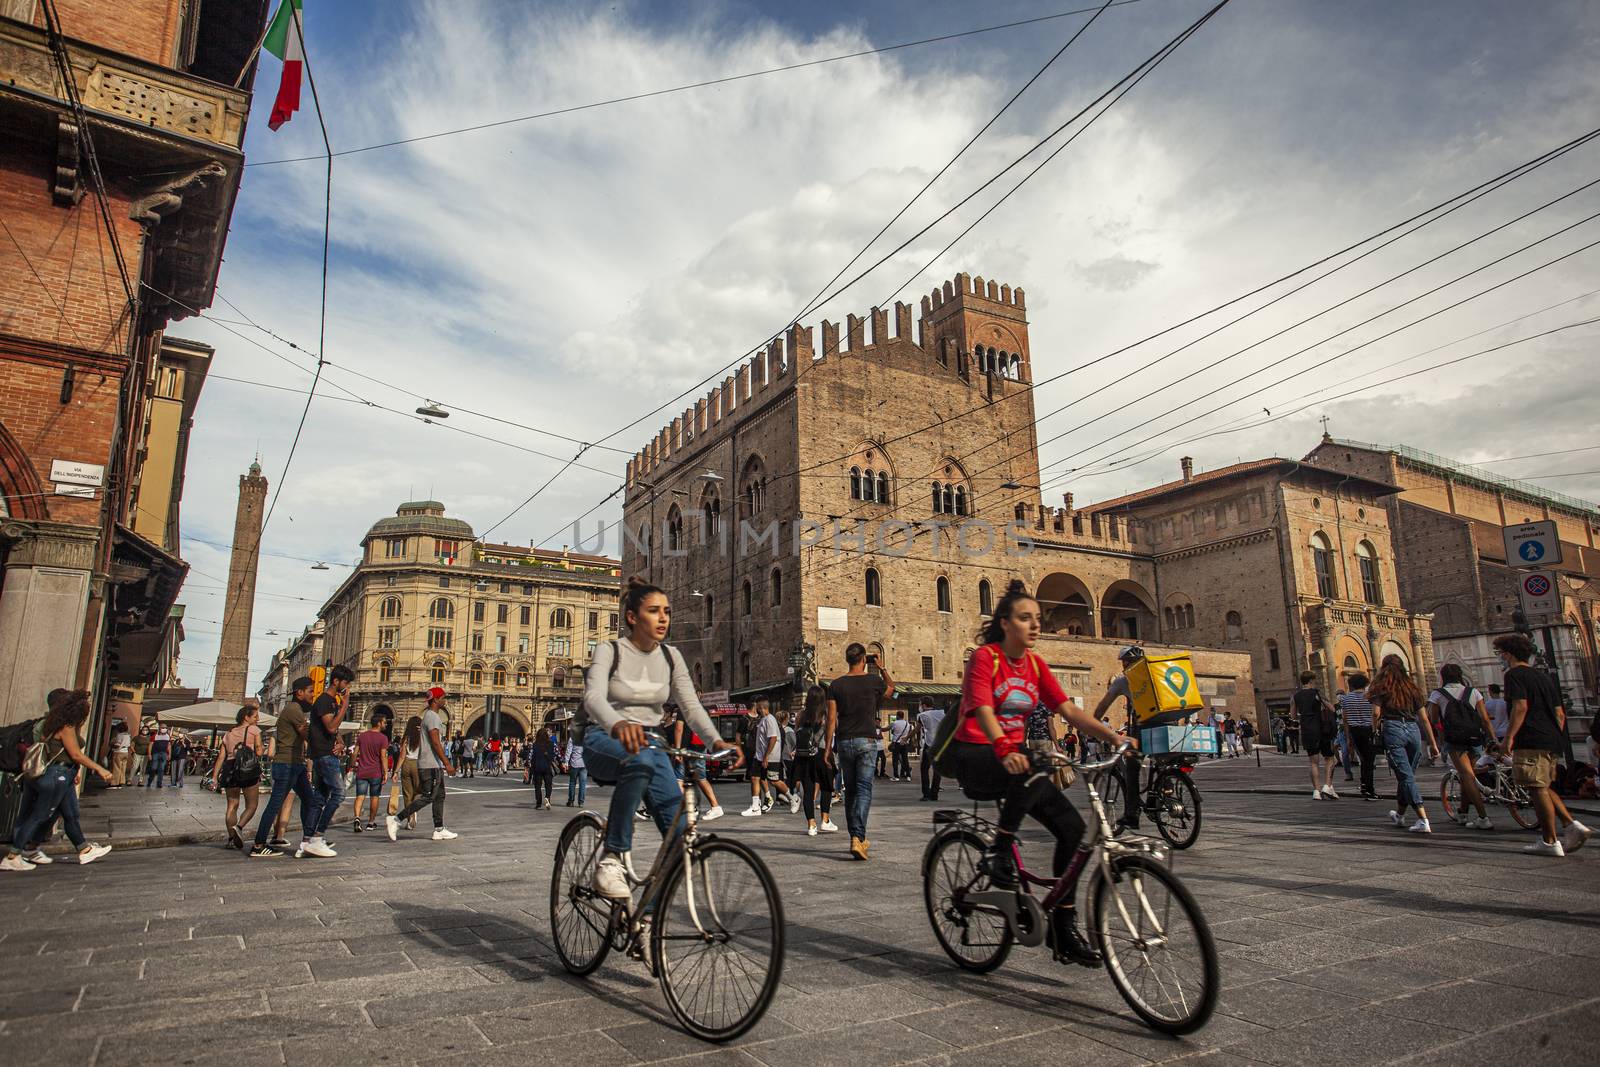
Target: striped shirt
1356 708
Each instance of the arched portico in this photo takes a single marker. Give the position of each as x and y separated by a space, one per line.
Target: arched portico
1067 605
1127 611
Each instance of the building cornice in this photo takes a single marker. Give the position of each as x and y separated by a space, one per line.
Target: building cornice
1237 540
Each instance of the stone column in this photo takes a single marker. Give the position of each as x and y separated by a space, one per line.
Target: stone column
43 609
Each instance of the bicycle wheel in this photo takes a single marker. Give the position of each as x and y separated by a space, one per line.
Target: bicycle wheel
1111 793
1450 794
976 939
580 920
1177 811
718 940
1519 805
1157 946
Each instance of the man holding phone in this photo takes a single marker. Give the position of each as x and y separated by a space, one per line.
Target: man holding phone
854 700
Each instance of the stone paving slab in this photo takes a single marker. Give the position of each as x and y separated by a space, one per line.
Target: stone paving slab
1342 943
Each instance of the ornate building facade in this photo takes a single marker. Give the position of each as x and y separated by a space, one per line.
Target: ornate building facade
506 630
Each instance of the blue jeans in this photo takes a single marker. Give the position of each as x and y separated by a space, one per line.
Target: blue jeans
43 798
286 776
327 793
646 775
1402 743
577 783
156 769
858 759
177 771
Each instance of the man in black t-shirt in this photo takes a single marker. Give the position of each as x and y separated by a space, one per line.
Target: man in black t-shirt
1316 734
322 739
1538 722
854 700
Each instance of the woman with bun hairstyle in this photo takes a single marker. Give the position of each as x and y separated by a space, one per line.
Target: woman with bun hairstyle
1003 684
626 686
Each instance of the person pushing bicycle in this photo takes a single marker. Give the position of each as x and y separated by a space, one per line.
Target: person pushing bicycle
1004 682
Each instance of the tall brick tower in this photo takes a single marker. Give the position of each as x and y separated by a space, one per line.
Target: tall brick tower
233 657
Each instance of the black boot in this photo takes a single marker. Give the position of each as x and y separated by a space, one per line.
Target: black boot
1068 940
1000 864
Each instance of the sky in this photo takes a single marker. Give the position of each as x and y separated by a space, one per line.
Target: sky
571 273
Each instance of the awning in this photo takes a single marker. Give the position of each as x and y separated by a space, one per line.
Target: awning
209 713
926 689
143 586
764 687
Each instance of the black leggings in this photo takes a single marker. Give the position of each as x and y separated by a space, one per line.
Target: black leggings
983 778
812 775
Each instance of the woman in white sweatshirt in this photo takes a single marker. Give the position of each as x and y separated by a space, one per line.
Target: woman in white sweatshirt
627 684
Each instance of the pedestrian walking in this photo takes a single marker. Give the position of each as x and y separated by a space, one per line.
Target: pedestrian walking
1499 712
1397 709
788 756
288 772
409 776
541 768
141 755
1355 713
682 735
121 753
1230 736
928 720
900 730
881 752
577 774
178 759
155 769
237 772
1467 729
766 764
327 770
433 767
52 790
372 768
1316 734
1535 734
813 774
855 700
1247 733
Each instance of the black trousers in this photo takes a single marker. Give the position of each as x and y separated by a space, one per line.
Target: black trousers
430 790
811 775
902 760
929 771
982 777
1365 748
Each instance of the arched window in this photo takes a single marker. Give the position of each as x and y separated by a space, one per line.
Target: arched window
777 587
961 500
1188 615
938 498
441 608
753 487
711 513
985 597
1322 564
1234 624
500 675
475 674
697 673
1272 655
1367 561
748 597
941 590
383 670
711 610
855 483
949 501
883 487
558 679
674 529
874 589
436 674
522 676
390 609
561 619
869 482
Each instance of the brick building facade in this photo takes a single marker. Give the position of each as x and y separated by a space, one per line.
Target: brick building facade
95 262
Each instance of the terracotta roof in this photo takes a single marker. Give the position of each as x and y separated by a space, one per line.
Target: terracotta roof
1235 470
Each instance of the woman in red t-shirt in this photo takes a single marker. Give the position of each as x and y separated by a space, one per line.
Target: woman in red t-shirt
1003 684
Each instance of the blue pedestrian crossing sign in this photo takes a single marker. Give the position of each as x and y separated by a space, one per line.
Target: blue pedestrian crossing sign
1532 544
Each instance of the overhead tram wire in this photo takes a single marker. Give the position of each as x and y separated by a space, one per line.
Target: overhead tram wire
698 85
1134 75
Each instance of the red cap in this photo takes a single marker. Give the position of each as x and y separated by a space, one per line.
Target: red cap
436 693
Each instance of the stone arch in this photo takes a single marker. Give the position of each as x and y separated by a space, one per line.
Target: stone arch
1067 605
21 494
1392 647
1348 648
475 721
1127 611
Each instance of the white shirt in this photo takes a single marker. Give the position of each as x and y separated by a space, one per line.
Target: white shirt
899 730
1499 715
928 721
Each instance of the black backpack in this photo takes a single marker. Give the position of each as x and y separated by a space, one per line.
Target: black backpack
807 741
244 769
1463 728
15 740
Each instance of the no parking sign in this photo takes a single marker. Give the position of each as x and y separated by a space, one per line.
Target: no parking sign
1538 592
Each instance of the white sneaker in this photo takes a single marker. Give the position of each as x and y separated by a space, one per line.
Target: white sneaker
1328 792
1420 827
1481 822
37 858
441 834
1572 838
714 812
1316 794
92 853
829 828
15 863
811 831
611 879
315 847
754 809
391 825
1394 817
794 804
1545 848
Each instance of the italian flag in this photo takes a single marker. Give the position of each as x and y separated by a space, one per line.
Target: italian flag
283 41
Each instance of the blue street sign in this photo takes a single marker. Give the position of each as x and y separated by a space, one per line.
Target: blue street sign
1531 551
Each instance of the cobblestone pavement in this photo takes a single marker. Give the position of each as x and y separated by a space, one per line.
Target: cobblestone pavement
1343 942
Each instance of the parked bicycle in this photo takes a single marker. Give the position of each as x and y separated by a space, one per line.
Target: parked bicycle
1501 788
706 920
1155 942
1170 797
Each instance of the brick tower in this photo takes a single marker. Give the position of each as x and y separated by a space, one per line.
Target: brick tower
233 657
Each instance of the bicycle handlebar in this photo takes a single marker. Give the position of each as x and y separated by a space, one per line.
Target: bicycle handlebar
1099 765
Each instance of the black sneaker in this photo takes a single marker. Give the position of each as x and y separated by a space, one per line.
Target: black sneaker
1000 865
1069 942
1125 826
259 852
357 827
279 842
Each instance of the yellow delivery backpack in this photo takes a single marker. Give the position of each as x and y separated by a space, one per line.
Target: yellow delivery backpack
1163 689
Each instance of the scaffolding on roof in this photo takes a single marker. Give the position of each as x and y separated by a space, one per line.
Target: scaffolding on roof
1481 475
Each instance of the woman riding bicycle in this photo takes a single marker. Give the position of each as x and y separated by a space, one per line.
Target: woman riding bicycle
626 686
1003 684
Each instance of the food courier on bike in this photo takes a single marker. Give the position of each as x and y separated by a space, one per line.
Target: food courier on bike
1158 693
